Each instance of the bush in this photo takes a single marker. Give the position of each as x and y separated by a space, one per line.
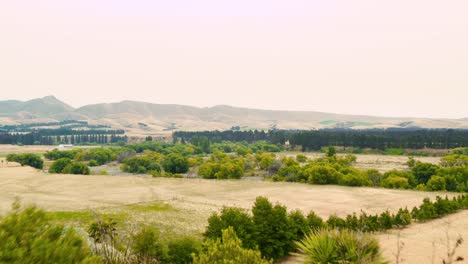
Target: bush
223 168
238 219
141 164
228 249
27 159
180 250
147 247
66 166
76 168
343 246
175 163
396 182
322 175
59 165
28 236
301 158
355 179
436 183
423 171
273 231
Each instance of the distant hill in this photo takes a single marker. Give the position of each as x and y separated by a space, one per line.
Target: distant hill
147 118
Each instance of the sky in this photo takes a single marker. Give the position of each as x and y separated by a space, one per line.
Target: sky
384 58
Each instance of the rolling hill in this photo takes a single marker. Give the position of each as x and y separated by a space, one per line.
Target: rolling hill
149 118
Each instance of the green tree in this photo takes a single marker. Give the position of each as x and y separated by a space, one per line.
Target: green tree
436 183
273 230
175 163
331 152
147 246
423 171
59 165
180 250
29 237
27 159
228 250
236 218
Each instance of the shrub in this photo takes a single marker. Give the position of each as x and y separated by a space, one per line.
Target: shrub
76 168
175 163
301 158
27 159
238 219
180 250
355 179
396 182
28 236
343 246
273 231
314 221
228 249
402 218
423 171
59 165
147 247
141 164
375 177
93 163
58 154
65 165
436 183
225 168
322 175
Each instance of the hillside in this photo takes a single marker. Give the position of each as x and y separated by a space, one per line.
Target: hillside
149 118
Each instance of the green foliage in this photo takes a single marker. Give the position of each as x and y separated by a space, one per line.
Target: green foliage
394 151
76 168
396 182
142 164
221 166
59 165
236 218
330 152
423 171
147 246
436 183
28 236
227 250
301 158
67 166
375 177
59 154
273 230
343 246
322 174
175 163
455 160
26 159
180 250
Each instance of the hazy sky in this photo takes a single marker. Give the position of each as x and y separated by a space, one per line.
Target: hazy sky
392 58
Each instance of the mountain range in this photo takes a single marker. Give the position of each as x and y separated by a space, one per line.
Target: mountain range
148 118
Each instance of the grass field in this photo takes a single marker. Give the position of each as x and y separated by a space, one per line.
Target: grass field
182 206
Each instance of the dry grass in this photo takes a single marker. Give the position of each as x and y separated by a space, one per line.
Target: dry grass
382 163
189 202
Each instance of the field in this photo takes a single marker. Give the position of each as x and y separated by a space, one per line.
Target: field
382 163
183 205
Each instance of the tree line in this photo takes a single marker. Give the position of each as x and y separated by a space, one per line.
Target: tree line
317 139
63 136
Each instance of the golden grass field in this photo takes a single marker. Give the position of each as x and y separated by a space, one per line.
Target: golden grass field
179 206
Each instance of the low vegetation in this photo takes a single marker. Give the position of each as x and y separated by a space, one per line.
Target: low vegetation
27 159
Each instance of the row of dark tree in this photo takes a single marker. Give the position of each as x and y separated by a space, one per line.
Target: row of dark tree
371 138
63 124
38 138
